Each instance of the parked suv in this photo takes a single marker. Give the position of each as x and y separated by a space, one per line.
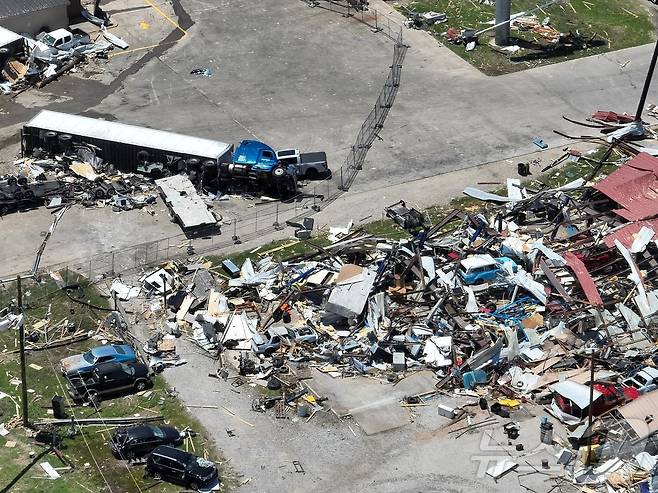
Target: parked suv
109 378
136 441
180 467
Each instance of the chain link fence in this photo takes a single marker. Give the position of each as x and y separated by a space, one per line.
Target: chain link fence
266 218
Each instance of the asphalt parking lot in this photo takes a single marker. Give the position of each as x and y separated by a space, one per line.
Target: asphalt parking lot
306 77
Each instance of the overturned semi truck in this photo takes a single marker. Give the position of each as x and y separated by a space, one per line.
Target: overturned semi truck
209 164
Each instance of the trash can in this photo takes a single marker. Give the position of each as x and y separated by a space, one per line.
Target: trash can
546 431
59 407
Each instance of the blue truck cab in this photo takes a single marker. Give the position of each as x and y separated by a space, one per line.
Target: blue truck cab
256 165
478 269
256 155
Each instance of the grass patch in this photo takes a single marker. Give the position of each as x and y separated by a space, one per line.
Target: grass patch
88 451
607 25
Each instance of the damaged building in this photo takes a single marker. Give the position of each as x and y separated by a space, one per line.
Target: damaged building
34 16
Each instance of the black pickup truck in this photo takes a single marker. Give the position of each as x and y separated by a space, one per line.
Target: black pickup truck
108 379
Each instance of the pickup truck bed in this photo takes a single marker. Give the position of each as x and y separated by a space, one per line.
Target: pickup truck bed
313 158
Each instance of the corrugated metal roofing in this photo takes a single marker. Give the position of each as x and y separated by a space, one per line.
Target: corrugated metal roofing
634 186
584 278
128 134
626 234
12 8
640 414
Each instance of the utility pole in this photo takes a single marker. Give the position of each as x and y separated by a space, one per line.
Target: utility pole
503 12
647 84
21 338
590 417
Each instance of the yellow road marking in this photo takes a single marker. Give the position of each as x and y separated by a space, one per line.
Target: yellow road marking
169 19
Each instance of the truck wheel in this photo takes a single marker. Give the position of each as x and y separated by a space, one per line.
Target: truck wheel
28 194
12 181
312 174
140 385
22 181
279 172
51 135
143 157
99 193
193 163
194 486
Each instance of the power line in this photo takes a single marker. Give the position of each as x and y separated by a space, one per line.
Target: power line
65 394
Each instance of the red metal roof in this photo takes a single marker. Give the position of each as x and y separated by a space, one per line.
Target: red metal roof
584 279
634 186
626 234
611 116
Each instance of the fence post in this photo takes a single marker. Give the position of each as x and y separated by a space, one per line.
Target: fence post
89 277
276 224
236 238
113 263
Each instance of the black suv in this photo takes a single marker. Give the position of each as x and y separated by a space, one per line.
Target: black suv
109 378
136 441
182 468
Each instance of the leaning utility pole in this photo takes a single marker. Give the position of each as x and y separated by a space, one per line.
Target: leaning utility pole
647 84
503 12
21 338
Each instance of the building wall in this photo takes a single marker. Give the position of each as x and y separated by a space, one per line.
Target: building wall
33 23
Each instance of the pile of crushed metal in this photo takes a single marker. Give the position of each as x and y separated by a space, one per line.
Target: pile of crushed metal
543 299
76 175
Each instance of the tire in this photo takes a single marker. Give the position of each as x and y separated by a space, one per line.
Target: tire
99 193
28 194
50 135
312 174
279 172
143 157
22 181
273 384
12 181
194 486
140 385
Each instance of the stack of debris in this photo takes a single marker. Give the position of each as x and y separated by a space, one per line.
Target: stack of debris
27 61
544 296
73 175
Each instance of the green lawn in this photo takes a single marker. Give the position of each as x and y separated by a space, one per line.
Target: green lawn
607 25
87 449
